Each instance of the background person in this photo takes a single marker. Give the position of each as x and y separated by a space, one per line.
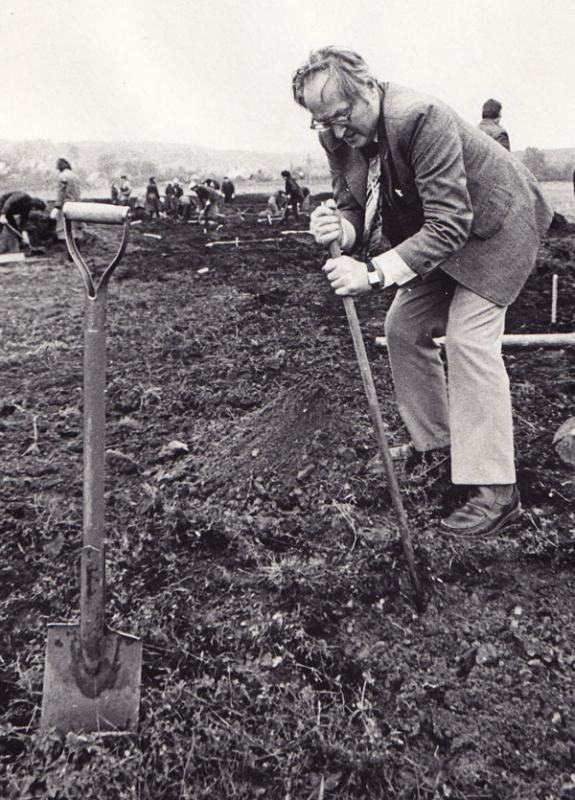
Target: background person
124 191
293 193
275 205
169 203
229 190
68 189
177 196
305 205
490 119
153 205
15 210
459 222
211 201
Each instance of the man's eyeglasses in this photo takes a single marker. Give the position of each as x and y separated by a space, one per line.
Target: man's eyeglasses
327 124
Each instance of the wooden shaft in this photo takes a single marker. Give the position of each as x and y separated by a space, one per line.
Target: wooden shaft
92 567
379 429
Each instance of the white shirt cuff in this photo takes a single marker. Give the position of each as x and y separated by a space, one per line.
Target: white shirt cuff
393 268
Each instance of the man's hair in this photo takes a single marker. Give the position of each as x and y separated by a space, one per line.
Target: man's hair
285 173
63 164
491 109
346 67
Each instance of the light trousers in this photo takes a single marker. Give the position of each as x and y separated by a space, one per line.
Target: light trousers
469 408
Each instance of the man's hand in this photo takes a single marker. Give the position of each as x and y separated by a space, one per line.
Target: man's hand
3 220
325 224
347 276
25 238
54 213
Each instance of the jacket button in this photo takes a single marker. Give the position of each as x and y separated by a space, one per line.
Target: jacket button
427 264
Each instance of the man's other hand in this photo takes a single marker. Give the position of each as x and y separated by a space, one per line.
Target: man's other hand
347 276
325 224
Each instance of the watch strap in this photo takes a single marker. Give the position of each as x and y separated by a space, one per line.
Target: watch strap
374 276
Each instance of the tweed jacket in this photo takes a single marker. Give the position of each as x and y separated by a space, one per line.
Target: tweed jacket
476 212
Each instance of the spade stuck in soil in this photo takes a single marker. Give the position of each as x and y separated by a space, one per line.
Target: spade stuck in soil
92 673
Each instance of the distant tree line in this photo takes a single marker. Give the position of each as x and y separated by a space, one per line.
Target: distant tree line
544 169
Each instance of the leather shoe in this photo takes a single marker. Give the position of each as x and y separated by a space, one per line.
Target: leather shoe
486 511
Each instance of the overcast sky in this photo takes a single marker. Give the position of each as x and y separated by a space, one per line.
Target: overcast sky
218 72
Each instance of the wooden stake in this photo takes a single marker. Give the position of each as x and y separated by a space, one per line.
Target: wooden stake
236 242
516 340
9 258
554 287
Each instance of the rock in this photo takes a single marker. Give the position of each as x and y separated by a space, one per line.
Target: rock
305 472
120 462
173 449
487 655
564 441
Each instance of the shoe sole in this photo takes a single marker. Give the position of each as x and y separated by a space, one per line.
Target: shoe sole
509 517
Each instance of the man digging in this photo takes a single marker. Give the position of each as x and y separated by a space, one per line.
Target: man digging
429 205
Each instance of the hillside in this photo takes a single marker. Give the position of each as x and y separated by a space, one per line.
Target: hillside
32 163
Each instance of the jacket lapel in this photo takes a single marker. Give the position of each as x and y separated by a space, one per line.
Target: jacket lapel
403 173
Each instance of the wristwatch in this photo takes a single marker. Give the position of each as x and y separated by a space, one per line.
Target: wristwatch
374 276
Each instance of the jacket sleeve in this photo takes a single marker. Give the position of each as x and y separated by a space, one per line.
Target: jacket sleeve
8 203
17 206
434 152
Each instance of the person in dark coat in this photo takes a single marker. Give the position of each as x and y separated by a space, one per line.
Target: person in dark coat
229 190
294 194
425 203
178 194
15 210
491 117
153 199
169 199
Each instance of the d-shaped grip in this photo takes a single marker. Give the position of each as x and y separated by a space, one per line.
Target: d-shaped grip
103 213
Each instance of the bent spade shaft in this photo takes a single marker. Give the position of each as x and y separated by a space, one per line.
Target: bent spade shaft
92 673
377 422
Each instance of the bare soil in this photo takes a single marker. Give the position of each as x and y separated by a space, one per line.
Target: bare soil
256 554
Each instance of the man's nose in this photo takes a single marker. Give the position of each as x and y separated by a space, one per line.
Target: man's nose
338 131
